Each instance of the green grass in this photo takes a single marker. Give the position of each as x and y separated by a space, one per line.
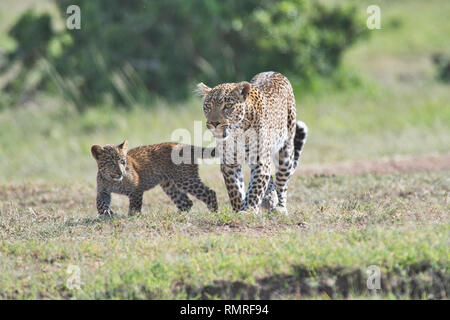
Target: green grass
408 28
351 222
385 101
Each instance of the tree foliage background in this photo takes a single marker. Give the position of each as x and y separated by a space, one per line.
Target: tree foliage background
128 51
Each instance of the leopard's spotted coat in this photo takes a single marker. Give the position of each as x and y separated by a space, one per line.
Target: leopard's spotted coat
132 172
266 107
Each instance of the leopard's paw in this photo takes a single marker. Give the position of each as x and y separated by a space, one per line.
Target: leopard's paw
280 210
269 202
249 211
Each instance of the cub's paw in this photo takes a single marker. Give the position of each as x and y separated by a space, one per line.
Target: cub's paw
211 207
107 213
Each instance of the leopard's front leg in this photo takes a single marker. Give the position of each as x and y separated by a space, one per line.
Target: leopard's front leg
283 174
259 181
103 202
234 181
270 199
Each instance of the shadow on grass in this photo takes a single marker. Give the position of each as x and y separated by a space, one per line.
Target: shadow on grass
418 281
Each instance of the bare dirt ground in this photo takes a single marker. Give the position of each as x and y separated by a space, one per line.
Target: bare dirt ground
398 164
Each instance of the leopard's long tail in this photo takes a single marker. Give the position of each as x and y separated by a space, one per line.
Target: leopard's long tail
301 133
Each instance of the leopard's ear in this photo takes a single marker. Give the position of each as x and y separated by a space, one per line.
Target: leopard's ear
243 89
96 151
202 89
123 146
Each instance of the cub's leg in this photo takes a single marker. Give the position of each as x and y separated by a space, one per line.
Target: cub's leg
259 181
234 182
178 197
135 202
198 189
103 202
284 172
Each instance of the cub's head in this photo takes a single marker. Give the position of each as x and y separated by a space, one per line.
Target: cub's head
224 106
111 160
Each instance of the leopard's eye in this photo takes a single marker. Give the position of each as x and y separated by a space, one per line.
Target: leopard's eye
227 109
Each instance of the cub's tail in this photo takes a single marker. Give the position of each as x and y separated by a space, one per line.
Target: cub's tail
301 133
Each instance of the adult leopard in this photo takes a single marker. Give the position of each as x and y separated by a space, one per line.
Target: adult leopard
256 119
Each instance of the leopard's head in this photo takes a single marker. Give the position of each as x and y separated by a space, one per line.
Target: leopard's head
224 106
111 160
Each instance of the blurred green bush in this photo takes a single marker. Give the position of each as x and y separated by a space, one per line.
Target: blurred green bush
128 51
442 63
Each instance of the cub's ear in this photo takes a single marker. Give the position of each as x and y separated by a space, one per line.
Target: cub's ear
123 146
243 88
96 151
202 89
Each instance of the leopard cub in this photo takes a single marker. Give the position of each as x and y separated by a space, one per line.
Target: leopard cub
133 172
